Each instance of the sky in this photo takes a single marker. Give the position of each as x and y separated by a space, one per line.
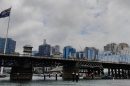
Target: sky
79 23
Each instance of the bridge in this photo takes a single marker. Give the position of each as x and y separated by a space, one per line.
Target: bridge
22 66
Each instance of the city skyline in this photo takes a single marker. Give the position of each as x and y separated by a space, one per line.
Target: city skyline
67 22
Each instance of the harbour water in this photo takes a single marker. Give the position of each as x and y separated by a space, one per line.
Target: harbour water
39 81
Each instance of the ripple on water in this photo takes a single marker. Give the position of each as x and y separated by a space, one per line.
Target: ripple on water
39 81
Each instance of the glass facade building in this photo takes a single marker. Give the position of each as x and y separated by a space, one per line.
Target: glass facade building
10 47
90 53
80 55
69 52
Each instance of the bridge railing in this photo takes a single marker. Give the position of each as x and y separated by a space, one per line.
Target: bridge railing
103 58
115 58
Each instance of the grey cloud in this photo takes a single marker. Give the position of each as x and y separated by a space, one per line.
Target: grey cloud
61 21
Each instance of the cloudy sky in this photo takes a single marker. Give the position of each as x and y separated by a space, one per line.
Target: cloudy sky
79 23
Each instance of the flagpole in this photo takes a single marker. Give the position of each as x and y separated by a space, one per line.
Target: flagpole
5 46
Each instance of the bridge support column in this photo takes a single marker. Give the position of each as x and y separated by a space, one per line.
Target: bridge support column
102 71
108 71
125 74
99 73
89 72
122 73
119 74
115 73
112 72
20 73
128 74
92 73
68 69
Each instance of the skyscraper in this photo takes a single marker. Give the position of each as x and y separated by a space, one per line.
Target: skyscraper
55 50
121 48
90 53
10 47
80 55
112 47
44 49
69 52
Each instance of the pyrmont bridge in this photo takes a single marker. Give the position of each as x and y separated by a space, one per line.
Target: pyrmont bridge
22 66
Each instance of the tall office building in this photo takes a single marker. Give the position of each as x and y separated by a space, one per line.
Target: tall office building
55 50
112 47
69 52
10 47
80 55
86 52
90 53
45 49
121 48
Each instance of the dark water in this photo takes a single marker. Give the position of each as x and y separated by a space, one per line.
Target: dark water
38 81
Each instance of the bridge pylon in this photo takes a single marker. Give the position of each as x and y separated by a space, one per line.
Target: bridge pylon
23 70
69 69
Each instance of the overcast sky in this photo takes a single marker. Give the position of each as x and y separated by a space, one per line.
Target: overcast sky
79 23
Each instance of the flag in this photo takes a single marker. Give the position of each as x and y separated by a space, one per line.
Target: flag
5 13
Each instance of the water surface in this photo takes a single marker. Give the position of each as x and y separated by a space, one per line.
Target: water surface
39 81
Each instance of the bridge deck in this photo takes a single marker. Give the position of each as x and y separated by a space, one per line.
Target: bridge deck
60 61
